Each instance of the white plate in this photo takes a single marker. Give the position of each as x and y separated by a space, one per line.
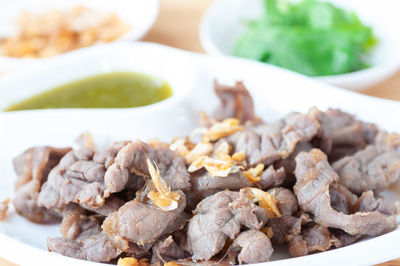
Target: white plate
139 14
224 22
275 91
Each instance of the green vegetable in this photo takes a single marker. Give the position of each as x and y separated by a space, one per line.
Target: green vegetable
310 37
112 90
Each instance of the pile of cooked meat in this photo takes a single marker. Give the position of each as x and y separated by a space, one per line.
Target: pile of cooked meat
227 193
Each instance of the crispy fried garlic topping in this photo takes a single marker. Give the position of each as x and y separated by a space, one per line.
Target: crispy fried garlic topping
162 197
265 200
222 129
253 174
130 261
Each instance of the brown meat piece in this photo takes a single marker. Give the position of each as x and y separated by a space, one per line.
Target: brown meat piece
131 159
107 156
111 204
141 223
342 239
76 223
204 185
314 176
32 168
269 143
288 224
342 199
313 238
80 178
82 238
287 202
251 246
218 217
77 179
272 178
96 248
236 102
373 168
4 209
368 203
341 134
167 250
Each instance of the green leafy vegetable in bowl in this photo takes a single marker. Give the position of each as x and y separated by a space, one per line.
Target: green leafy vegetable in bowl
310 37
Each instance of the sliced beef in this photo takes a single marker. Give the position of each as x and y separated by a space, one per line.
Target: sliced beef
107 156
341 134
269 143
271 177
236 102
80 178
204 185
131 159
251 246
96 248
287 202
313 238
373 168
111 204
76 179
368 203
342 239
289 224
142 223
167 250
82 237
289 164
314 176
32 168
76 224
219 217
342 199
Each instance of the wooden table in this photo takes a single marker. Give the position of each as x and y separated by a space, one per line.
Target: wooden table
177 26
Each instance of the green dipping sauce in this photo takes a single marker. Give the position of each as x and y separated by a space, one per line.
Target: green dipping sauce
112 90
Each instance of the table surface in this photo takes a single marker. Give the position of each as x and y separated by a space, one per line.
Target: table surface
177 26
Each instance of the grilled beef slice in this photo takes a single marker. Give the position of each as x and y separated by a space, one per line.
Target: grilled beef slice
269 143
373 168
236 102
131 159
82 237
76 179
142 223
32 168
314 176
218 217
341 134
167 250
251 246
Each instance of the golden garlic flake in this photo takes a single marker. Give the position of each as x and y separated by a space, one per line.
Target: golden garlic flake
201 149
131 261
265 200
222 129
162 197
253 174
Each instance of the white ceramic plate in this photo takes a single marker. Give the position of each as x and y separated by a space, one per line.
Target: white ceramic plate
224 21
139 14
275 91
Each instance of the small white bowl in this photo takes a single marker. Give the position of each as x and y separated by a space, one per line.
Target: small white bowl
139 14
223 23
